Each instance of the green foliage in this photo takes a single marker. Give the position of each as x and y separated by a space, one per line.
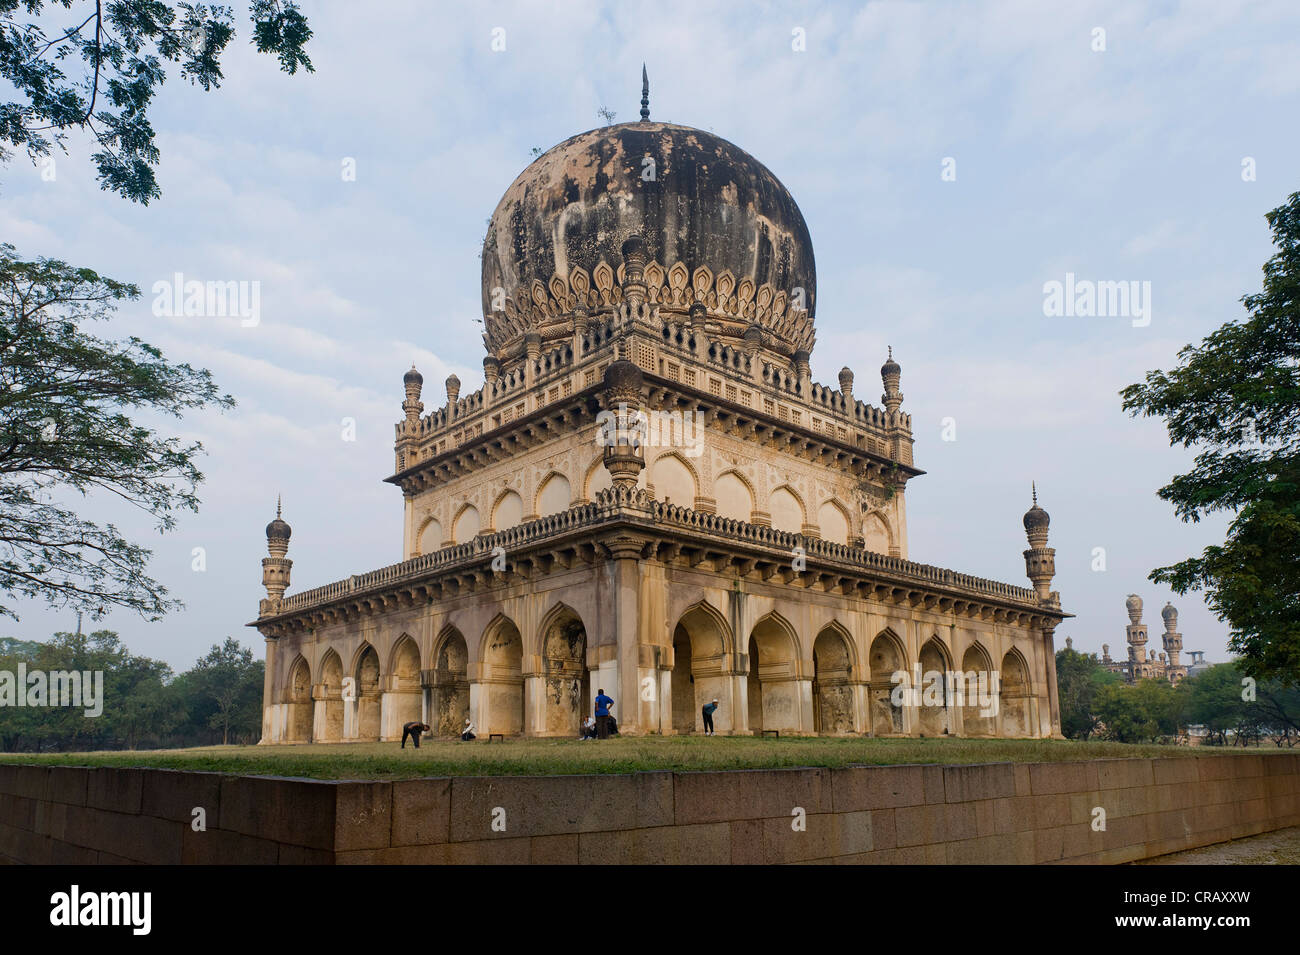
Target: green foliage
1079 677
121 48
1146 711
1222 701
142 703
1237 395
65 398
230 678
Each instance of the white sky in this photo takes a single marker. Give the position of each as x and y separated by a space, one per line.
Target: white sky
1117 165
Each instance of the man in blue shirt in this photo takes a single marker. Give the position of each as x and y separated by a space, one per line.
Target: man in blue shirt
709 709
603 703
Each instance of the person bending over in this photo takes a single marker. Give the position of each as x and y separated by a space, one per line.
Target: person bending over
414 730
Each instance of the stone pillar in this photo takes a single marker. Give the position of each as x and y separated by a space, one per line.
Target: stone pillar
268 691
1053 693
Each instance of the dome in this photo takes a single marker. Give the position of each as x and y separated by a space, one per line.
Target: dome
714 225
1133 604
278 529
890 368
1169 613
413 377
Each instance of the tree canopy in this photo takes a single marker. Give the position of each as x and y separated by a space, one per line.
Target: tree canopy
65 425
95 65
1236 396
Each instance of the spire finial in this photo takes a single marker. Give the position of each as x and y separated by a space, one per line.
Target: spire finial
891 352
645 95
277 505
1034 485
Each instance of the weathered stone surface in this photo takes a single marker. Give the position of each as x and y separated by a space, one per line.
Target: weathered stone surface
559 804
987 781
421 812
115 789
750 794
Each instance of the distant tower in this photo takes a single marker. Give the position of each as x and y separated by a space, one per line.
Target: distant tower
891 372
846 385
1040 560
1105 653
1136 634
1173 641
275 569
1069 643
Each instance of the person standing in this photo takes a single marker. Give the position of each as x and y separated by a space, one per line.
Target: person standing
603 703
413 730
709 708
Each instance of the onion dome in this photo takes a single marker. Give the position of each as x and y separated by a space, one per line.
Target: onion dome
890 368
413 377
278 530
1170 615
1036 519
1133 604
708 222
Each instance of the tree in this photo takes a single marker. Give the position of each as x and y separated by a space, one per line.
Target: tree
1146 711
1237 396
64 397
230 677
122 47
1079 677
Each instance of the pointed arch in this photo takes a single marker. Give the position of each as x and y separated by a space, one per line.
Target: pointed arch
449 695
466 525
507 510
789 513
561 646
885 657
405 652
877 535
935 715
977 685
833 521
773 694
554 494
429 536
1015 694
329 691
675 479
833 698
703 647
501 679
734 496
366 671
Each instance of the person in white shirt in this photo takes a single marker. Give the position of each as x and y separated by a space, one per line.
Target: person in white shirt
467 731
588 728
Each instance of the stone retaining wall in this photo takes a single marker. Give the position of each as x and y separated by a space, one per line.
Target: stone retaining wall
991 813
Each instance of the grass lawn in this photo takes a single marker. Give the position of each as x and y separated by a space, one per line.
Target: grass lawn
556 757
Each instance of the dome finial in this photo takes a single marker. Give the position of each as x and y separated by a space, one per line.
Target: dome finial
645 95
1034 486
277 505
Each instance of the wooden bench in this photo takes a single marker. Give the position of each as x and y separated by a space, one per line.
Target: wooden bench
776 733
500 736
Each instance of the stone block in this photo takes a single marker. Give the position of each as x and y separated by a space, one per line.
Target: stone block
169 794
561 805
363 816
68 784
723 796
1051 778
221 847
987 781
17 779
704 844
1124 773
115 790
857 788
920 825
421 812
1174 771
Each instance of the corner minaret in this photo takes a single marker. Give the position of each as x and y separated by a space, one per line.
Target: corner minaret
276 568
891 372
1040 560
412 381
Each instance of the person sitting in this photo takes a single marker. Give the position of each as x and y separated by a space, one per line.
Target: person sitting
588 728
467 731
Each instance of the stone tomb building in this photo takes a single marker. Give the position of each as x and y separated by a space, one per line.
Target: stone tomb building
650 494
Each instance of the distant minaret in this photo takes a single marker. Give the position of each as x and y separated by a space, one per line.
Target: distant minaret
275 569
1040 560
1173 640
1136 632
